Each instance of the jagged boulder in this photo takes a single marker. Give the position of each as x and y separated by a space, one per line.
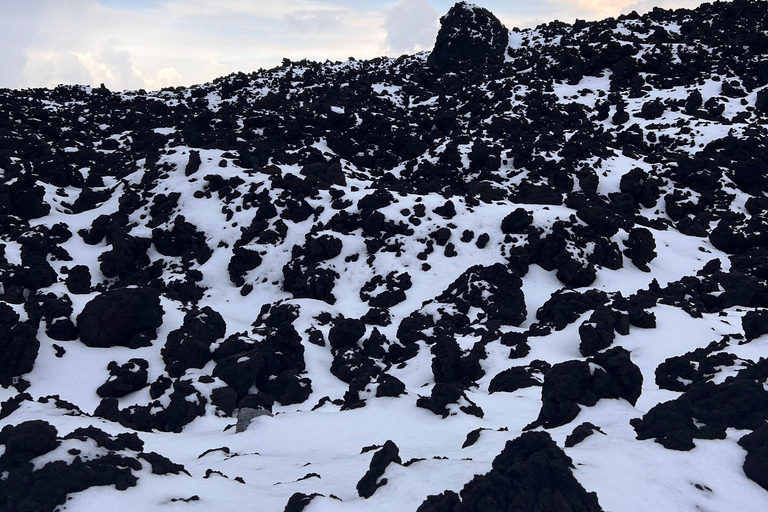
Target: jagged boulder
571 384
532 473
469 36
126 317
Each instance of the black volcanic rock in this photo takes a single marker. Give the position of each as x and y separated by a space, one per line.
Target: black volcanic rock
519 377
111 461
468 36
26 441
580 433
372 480
756 461
571 384
126 317
19 346
189 346
433 201
516 222
531 474
755 324
79 280
704 412
445 394
125 378
495 289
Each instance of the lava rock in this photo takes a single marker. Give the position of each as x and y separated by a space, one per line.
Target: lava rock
190 345
299 501
390 386
580 433
19 347
705 411
125 378
755 324
444 394
519 377
756 461
372 480
516 222
531 473
469 35
640 248
44 489
573 383
346 332
79 280
126 317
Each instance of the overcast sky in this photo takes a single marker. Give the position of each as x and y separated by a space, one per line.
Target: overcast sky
132 44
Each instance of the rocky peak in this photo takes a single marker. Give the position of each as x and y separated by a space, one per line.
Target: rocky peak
469 35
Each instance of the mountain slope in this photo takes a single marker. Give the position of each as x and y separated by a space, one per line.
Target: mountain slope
525 271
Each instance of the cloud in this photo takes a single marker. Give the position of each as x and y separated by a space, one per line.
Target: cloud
411 26
112 67
109 66
52 69
15 36
314 21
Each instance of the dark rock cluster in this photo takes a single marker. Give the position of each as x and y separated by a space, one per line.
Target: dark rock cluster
404 220
25 486
531 473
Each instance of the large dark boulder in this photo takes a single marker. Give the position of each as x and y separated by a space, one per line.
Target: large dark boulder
126 317
444 395
26 441
705 411
106 461
530 474
496 289
190 345
346 332
571 384
519 377
641 248
598 332
79 280
756 462
18 346
517 222
243 260
755 324
469 35
24 198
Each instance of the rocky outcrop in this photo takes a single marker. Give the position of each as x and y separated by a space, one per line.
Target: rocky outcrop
469 36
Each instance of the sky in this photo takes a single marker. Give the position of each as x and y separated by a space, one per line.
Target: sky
150 44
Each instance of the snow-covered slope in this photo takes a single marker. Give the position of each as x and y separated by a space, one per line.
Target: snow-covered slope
527 271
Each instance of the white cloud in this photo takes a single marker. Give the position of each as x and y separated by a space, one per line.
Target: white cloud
108 65
411 26
112 67
52 69
256 8
314 21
